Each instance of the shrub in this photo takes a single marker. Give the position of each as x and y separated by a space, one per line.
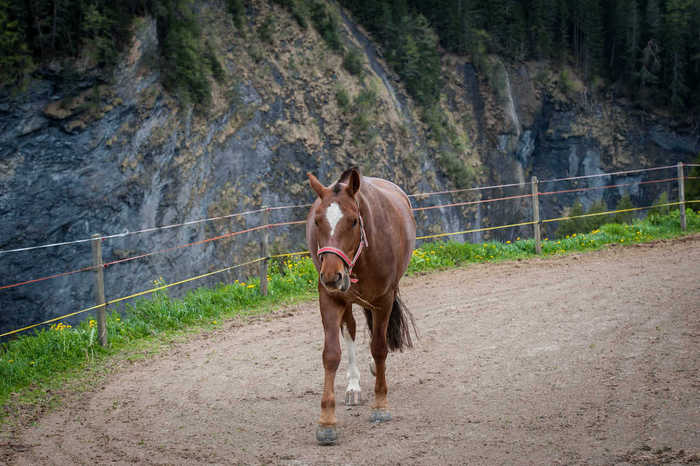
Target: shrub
237 10
352 61
214 65
265 30
624 203
326 24
341 95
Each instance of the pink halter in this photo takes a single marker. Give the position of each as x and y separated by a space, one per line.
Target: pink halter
349 263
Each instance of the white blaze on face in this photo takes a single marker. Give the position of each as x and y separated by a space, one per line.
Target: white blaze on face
333 215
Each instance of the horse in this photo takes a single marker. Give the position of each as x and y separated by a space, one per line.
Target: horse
361 234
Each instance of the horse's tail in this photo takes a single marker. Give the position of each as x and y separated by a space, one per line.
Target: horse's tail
398 335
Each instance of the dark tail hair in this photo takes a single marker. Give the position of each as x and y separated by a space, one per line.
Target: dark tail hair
398 335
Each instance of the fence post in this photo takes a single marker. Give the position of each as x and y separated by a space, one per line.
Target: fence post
264 252
536 215
681 194
99 289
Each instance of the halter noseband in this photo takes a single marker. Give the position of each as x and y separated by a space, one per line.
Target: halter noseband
349 263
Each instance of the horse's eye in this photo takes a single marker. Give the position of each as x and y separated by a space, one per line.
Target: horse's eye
354 223
316 222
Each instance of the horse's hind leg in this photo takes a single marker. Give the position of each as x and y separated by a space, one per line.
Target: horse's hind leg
353 394
380 349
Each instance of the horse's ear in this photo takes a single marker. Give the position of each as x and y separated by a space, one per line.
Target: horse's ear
353 182
316 185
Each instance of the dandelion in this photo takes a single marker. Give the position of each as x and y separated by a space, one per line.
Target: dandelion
508 242
251 286
546 239
517 239
213 322
92 323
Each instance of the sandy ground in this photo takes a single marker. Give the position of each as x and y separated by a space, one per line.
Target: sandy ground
582 359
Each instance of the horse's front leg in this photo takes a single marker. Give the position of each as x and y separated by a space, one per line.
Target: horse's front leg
353 394
331 315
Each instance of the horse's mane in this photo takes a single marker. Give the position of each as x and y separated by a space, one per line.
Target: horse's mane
343 177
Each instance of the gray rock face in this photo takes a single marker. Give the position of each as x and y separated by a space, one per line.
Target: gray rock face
83 159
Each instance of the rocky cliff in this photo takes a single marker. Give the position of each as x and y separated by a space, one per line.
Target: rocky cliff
83 154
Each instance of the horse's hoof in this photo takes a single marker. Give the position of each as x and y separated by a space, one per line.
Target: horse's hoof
353 397
326 435
380 415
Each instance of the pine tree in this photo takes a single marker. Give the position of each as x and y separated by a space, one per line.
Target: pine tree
632 35
676 21
541 23
15 60
562 30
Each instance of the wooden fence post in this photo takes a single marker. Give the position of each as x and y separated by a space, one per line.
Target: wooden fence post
536 215
99 288
681 194
264 252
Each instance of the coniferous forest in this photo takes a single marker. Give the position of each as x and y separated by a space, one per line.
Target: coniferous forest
645 50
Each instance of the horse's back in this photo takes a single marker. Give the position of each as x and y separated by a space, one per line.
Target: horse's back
397 214
392 193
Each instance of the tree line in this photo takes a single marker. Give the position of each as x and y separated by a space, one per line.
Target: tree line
648 50
34 32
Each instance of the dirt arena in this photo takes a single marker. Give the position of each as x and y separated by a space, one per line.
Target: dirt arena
582 359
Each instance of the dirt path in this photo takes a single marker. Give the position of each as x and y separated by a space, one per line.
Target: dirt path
588 358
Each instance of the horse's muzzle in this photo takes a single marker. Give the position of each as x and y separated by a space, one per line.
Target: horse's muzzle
336 281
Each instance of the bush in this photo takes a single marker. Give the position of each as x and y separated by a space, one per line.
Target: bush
326 24
692 186
655 213
583 224
352 61
623 204
341 95
365 108
265 30
214 65
182 50
237 10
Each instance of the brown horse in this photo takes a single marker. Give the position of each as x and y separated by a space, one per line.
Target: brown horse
361 233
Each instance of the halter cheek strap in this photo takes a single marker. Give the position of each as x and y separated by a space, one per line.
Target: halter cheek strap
349 263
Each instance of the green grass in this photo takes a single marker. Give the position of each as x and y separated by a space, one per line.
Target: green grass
440 255
33 361
34 364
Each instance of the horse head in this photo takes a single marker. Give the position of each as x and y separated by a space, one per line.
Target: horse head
337 226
